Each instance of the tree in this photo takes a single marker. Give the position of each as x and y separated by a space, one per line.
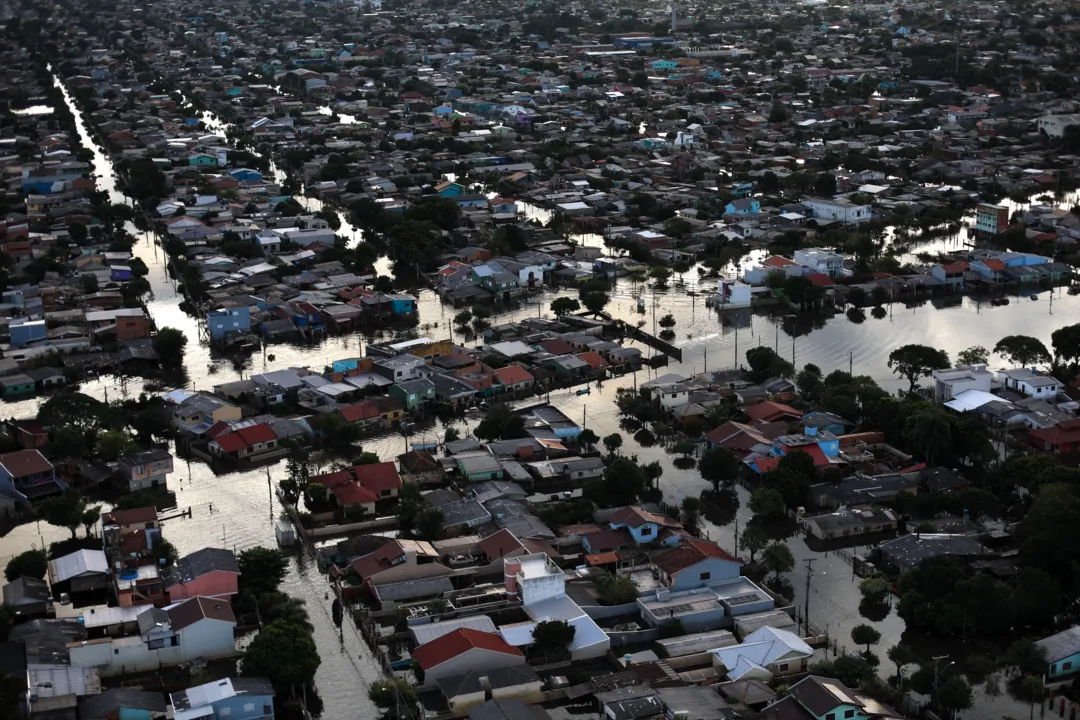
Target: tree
613 442
1066 343
276 607
691 511
565 305
778 559
753 540
165 550
668 321
765 363
954 694
169 344
284 653
874 589
1037 597
587 438
32 563
616 589
901 655
595 300
463 318
865 635
1031 689
114 443
90 518
1022 350
88 283
393 696
929 429
915 361
767 501
551 637
1027 656
65 511
852 670
428 524
974 355
261 569
719 466
500 423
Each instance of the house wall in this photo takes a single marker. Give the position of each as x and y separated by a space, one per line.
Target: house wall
205 639
474 659
245 707
1065 666
691 578
645 533
527 693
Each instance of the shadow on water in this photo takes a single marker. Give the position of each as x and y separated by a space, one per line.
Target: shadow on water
720 507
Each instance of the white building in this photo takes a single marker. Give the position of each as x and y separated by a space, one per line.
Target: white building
731 293
822 261
950 383
1029 383
1055 125
671 396
840 210
541 585
199 628
764 654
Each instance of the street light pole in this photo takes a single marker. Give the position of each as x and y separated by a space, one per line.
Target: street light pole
937 674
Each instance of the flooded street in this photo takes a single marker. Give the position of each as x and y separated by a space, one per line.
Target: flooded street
238 510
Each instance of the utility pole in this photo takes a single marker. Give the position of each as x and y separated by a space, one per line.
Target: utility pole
806 611
850 361
938 658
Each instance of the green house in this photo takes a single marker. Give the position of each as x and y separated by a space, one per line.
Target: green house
17 385
478 468
413 394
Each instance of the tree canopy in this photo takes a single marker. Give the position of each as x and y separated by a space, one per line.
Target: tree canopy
914 361
1022 350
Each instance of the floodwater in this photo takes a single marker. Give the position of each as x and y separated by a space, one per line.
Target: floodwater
238 509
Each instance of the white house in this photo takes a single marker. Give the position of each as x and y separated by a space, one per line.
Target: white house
1030 383
950 383
731 293
822 261
841 210
671 396
766 653
1056 125
199 628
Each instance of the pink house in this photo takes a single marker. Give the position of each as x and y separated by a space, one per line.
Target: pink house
210 572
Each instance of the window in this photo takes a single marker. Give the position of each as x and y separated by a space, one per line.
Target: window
849 713
646 530
225 711
1066 665
783 667
830 716
249 707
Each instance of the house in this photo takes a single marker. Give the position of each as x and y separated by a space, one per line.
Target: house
514 378
476 467
821 261
770 412
198 628
852 522
765 654
950 383
1062 653
743 206
28 597
145 469
840 210
819 698
1064 437
989 270
246 443
518 683
413 394
209 572
380 478
123 702
246 698
464 650
399 561
731 294
231 319
197 413
952 274
26 474
81 571
1030 383
645 526
695 563
992 219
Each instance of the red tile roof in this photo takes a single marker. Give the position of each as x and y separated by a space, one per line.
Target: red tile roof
129 517
25 462
500 544
512 374
820 279
595 359
191 611
770 411
994 264
378 476
608 540
634 517
332 479
690 552
358 411
230 442
557 346
460 641
261 433
1064 433
778 261
353 494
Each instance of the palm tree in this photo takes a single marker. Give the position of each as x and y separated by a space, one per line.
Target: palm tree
931 430
278 607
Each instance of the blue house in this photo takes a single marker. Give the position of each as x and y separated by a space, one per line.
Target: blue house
826 422
402 304
228 699
663 64
24 331
246 175
119 273
226 321
449 189
646 527
696 563
743 206
1062 653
